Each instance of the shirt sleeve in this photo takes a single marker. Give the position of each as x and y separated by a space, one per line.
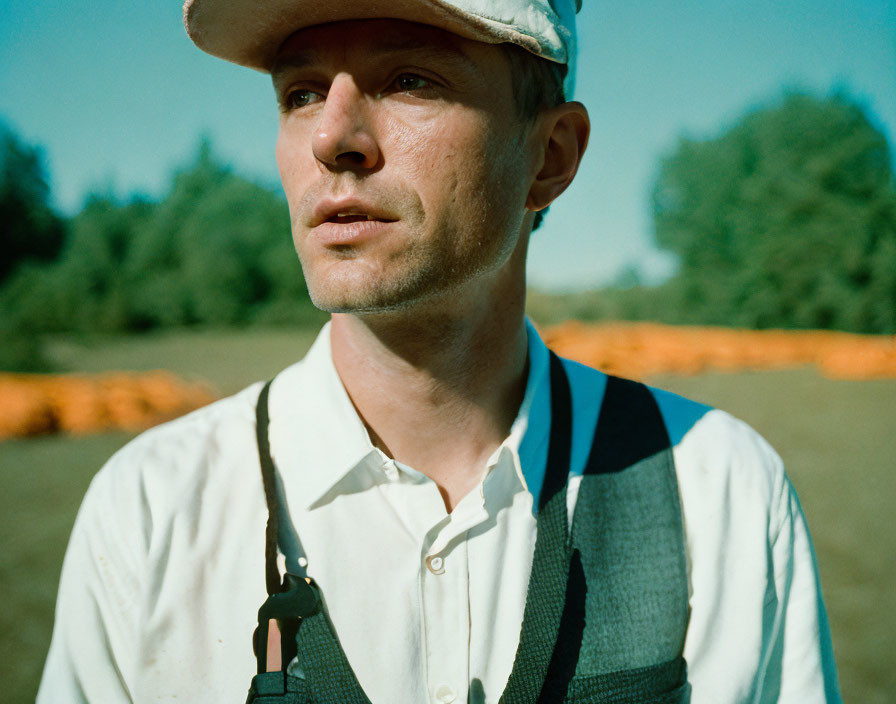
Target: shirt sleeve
798 659
758 631
93 648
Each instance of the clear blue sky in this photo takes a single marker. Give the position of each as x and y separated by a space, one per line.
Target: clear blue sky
118 96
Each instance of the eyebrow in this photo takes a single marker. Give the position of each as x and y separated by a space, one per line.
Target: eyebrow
303 58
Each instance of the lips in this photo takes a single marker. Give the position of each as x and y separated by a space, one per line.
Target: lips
348 222
348 211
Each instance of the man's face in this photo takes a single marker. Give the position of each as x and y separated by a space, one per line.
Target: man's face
404 162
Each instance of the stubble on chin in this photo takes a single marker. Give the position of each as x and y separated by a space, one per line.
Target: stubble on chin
351 287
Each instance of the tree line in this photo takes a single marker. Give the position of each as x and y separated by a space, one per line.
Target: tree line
216 250
785 219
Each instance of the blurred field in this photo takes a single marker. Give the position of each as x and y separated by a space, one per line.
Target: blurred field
837 439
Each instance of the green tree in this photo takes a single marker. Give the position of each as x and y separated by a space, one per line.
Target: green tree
788 219
29 228
216 250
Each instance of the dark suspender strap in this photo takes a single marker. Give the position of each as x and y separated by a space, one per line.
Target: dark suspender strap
327 671
630 428
271 572
295 597
551 559
556 472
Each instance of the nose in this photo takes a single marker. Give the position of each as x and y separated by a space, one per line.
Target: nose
343 139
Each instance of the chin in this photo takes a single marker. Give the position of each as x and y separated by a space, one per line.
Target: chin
365 294
367 297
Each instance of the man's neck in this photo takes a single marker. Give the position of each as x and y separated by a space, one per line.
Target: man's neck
438 392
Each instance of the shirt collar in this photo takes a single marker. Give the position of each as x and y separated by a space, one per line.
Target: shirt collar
317 437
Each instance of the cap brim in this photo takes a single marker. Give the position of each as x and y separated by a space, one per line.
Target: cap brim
250 33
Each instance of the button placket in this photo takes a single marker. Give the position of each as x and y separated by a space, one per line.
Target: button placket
445 595
446 601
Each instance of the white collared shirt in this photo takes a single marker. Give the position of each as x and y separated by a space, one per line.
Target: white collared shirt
164 573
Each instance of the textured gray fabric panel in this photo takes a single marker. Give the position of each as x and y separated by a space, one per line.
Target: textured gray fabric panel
329 677
628 531
660 684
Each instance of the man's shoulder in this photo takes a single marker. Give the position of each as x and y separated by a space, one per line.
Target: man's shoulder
724 467
174 462
713 447
196 431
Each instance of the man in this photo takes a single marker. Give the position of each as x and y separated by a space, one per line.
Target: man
477 519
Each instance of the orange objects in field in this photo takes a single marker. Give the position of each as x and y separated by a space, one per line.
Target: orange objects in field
31 404
637 350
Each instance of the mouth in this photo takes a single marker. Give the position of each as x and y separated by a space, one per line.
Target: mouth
348 211
344 224
347 218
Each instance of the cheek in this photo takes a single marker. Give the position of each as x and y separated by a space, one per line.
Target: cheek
418 148
449 160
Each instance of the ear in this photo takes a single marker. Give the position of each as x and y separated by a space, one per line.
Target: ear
563 136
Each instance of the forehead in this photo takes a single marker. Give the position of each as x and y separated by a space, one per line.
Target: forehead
367 39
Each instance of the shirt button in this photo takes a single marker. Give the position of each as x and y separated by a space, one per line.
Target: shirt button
436 565
445 694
